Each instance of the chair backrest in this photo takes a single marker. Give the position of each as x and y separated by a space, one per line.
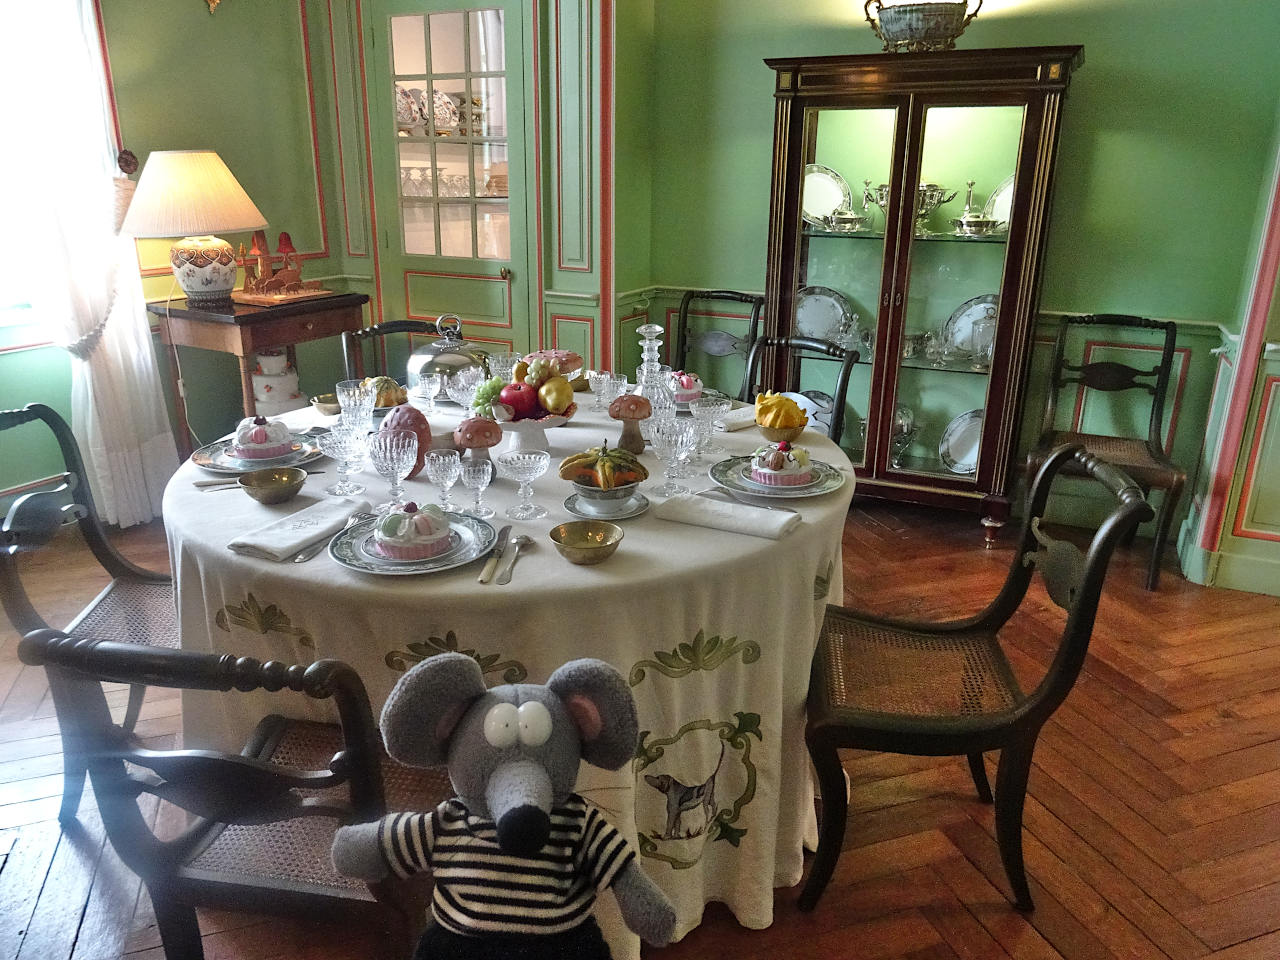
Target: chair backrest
824 348
1072 578
713 341
1110 376
218 788
34 517
353 342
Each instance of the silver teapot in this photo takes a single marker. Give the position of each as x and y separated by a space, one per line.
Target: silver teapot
446 356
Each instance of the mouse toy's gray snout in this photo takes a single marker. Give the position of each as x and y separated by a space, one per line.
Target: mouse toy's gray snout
519 796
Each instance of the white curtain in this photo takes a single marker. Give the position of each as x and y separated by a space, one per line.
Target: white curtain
81 277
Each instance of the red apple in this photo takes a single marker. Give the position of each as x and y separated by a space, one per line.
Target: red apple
522 399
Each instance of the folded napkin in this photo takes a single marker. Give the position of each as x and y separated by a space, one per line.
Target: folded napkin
741 418
734 517
282 538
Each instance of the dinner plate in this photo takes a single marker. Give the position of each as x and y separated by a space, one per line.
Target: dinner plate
824 313
960 442
964 333
999 205
825 192
471 538
729 474
633 506
216 457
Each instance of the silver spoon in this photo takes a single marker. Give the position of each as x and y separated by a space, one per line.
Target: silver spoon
514 549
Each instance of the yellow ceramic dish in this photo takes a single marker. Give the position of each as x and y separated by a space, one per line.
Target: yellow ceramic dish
586 541
273 484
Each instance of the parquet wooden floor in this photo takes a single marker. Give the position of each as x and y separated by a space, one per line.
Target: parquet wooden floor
1152 823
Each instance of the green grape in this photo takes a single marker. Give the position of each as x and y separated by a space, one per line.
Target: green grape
486 394
539 372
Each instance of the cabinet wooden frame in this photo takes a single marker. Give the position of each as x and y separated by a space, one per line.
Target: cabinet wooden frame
1033 78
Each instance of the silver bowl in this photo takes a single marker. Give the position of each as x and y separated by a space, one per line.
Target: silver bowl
975 226
604 502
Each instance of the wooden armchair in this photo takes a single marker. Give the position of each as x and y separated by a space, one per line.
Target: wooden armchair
353 342
265 818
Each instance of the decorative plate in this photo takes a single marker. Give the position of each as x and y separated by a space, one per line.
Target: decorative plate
824 313
964 334
729 474
406 108
999 205
825 192
216 457
443 109
471 538
633 506
960 442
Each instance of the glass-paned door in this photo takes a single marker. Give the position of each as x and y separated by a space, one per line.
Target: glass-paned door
951 318
449 136
849 154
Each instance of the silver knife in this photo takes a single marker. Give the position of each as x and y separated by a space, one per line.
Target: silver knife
504 537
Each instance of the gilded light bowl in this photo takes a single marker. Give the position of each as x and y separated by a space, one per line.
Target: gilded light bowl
327 404
273 484
586 541
778 434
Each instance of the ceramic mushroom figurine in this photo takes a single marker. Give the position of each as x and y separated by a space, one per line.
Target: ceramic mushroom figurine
630 409
477 435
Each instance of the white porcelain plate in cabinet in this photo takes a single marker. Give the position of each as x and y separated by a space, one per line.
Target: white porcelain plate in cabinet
825 192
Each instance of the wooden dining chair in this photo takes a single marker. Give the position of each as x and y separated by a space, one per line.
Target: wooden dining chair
947 689
1143 458
353 344
799 346
713 340
137 606
264 819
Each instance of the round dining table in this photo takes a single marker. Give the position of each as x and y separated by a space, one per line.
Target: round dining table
713 629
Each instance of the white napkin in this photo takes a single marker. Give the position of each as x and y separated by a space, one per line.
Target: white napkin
282 538
740 418
734 517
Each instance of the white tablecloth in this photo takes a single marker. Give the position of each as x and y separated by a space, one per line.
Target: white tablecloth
714 630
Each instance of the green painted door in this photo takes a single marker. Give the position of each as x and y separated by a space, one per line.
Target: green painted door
450 119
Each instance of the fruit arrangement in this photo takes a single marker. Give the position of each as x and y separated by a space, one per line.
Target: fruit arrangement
537 389
390 393
779 412
603 468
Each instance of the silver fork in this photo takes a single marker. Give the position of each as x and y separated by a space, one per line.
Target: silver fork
713 491
312 549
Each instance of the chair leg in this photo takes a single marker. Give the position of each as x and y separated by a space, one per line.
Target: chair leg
179 929
1011 793
74 769
835 811
137 693
978 770
1167 506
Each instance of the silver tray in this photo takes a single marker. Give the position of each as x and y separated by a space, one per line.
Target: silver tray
730 475
959 337
961 441
473 538
824 314
216 457
823 193
634 505
999 205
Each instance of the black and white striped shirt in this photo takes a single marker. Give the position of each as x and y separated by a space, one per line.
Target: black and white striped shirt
479 889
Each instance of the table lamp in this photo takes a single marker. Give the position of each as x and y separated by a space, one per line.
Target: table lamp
191 194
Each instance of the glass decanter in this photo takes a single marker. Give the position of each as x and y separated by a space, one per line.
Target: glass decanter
651 380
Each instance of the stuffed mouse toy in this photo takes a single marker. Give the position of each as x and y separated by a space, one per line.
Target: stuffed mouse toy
517 857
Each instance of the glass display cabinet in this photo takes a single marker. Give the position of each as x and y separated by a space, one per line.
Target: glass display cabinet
907 218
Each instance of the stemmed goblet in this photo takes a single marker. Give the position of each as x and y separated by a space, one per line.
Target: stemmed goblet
356 400
671 439
476 475
709 413
599 381
503 365
393 453
443 469
346 446
525 466
428 386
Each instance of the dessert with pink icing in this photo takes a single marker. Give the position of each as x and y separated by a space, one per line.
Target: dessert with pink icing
686 386
781 465
567 362
258 438
412 533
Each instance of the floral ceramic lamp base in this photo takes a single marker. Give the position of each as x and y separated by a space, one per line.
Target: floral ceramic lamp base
206 270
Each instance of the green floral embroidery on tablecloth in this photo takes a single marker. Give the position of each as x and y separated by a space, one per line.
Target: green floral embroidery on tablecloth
254 616
513 671
822 582
669 843
703 653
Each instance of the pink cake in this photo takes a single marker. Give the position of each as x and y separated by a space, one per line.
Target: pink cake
567 362
411 533
687 386
781 465
258 438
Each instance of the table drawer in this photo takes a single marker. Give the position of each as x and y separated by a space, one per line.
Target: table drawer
300 329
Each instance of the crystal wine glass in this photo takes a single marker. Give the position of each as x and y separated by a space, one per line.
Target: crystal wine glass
599 381
428 386
476 475
346 446
525 466
704 411
393 454
356 399
461 387
668 438
443 469
503 365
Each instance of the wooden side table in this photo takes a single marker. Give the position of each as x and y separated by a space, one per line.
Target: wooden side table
244 329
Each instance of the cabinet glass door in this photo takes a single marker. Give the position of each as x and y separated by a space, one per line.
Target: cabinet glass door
948 350
842 260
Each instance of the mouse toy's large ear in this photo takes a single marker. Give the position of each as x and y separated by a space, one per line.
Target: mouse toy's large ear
602 708
426 704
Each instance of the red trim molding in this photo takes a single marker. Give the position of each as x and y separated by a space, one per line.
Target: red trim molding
1184 355
586 152
16 347
408 310
1270 401
106 72
591 334
537 170
337 126
24 487
606 176
368 156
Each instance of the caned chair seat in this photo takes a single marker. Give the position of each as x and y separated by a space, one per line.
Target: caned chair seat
131 611
1130 454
